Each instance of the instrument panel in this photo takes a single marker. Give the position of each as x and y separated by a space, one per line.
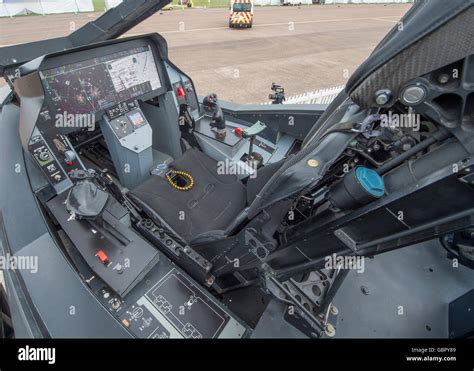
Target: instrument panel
86 86
99 83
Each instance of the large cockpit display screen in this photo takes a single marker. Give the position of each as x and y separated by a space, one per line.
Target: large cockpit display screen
96 84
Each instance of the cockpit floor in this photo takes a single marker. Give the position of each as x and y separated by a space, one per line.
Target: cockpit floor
401 294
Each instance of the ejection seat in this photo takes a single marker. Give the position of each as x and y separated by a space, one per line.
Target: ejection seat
217 202
209 207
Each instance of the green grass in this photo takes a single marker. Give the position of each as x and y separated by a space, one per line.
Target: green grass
99 5
212 3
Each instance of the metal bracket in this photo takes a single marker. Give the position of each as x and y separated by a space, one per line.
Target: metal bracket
310 300
255 245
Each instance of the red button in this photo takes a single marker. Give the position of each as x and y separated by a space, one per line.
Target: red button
102 257
180 92
238 131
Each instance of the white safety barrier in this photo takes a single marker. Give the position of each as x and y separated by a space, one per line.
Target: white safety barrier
11 8
326 2
112 3
321 96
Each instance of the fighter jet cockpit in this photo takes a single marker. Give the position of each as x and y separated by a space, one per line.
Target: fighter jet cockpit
134 158
184 216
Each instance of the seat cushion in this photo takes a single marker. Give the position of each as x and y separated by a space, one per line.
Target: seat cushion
210 205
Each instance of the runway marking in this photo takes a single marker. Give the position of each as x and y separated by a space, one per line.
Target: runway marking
276 24
320 21
384 18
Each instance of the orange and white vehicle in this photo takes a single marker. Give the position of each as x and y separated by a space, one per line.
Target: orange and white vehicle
241 13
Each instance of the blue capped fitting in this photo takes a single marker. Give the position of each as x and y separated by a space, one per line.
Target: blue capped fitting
358 187
371 181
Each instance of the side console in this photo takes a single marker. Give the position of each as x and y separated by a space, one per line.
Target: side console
55 156
142 288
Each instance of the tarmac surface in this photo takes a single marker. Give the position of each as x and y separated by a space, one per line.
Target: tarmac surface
302 48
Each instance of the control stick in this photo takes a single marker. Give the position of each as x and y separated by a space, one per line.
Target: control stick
212 108
254 159
85 200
